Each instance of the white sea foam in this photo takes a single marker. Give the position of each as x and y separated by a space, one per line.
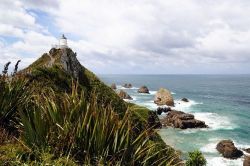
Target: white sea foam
190 131
215 121
134 98
150 105
210 147
220 161
121 87
184 106
152 92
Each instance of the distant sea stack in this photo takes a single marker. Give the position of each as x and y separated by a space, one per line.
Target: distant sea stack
164 97
143 89
127 85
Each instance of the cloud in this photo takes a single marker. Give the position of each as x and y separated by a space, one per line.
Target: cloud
182 36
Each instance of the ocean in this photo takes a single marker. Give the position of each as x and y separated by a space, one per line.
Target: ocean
222 101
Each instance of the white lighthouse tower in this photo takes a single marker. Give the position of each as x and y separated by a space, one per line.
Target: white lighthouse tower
63 42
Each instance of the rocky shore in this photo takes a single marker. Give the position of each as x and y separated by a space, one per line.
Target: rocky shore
171 117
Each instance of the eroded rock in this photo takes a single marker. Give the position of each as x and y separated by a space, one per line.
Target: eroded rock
124 95
164 97
185 99
179 119
228 149
143 89
160 110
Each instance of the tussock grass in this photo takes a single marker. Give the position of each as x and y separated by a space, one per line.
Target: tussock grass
87 132
70 128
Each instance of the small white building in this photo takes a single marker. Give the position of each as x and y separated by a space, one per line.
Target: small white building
63 42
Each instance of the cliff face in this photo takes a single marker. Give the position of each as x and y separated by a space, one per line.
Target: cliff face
67 58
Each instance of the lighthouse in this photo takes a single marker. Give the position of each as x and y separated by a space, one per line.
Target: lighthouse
63 42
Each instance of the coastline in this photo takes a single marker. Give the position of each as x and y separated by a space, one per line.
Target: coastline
199 105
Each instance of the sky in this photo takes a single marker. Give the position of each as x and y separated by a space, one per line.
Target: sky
131 37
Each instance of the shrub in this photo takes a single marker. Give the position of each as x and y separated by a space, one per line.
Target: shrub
196 158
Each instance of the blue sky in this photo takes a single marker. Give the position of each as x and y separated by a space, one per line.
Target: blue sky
132 37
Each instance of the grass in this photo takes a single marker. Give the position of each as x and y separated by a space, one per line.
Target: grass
74 129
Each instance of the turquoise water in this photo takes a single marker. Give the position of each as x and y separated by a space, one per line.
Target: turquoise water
222 101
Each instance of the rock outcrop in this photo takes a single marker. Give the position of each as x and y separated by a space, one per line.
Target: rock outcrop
185 99
124 95
113 86
160 110
246 161
179 119
228 150
70 62
164 97
127 85
143 89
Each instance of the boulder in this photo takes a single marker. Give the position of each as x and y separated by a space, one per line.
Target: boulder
185 99
246 161
179 119
127 85
113 86
160 110
143 89
247 150
164 97
228 150
124 95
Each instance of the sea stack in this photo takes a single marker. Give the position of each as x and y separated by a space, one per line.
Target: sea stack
143 89
164 97
127 85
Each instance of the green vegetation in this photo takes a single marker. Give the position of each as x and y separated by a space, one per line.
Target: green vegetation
47 117
196 159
